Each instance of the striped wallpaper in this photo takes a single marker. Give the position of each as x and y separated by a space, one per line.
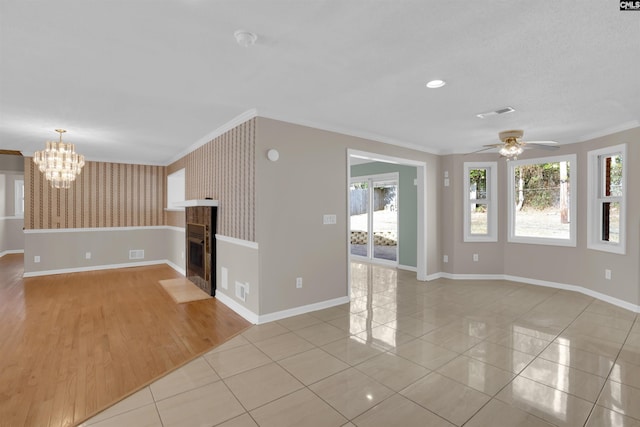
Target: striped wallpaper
126 195
103 195
224 170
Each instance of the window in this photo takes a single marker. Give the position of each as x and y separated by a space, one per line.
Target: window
542 201
607 191
480 202
19 198
175 189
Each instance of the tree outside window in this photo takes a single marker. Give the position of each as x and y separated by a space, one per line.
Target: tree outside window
607 194
542 201
480 202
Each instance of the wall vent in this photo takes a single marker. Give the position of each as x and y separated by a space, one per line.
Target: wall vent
497 112
136 254
241 291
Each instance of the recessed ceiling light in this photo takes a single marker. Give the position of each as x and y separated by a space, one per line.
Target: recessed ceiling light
434 84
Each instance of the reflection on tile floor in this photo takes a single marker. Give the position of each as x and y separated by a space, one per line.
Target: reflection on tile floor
439 353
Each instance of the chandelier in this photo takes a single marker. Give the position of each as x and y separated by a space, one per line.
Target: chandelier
59 162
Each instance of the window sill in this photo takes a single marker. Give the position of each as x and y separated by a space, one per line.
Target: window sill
484 239
603 247
542 241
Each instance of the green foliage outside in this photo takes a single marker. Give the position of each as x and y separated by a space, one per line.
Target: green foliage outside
541 184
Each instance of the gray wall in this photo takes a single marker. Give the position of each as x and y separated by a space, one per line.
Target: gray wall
241 263
11 238
65 250
292 194
10 162
490 254
407 206
578 265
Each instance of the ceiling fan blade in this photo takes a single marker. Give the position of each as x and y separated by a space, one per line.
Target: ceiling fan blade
542 146
481 150
541 142
493 145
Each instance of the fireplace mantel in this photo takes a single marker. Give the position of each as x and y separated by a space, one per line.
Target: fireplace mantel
197 202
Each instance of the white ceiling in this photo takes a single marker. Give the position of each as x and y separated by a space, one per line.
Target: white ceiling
141 81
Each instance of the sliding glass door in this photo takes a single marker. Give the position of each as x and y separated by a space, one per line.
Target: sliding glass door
374 217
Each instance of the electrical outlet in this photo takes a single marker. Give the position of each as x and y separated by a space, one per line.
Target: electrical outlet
87 255
475 257
445 258
298 282
36 258
182 254
607 274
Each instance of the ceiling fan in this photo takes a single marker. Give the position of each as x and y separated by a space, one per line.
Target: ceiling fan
512 144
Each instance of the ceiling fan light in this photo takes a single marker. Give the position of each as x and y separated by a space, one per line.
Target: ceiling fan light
511 150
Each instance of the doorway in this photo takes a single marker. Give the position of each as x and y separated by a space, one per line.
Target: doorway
355 157
374 218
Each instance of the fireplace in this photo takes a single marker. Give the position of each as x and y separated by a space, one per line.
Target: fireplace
200 245
196 261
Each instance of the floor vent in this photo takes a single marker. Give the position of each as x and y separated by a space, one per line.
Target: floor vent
136 254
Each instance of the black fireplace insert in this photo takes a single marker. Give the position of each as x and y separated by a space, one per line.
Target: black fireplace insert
196 250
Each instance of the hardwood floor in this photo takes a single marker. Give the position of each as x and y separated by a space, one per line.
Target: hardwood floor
73 344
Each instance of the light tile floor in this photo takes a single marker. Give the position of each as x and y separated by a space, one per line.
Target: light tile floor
409 353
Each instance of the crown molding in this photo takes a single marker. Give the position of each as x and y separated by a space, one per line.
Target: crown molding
345 131
236 121
610 130
254 112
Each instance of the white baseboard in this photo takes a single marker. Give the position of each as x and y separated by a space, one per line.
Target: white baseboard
589 292
11 251
240 309
93 268
472 276
176 267
575 288
433 276
270 317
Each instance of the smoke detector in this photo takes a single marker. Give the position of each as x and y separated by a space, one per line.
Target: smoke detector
245 38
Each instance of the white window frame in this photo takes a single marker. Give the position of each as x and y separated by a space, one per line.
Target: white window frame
491 201
595 200
573 206
18 206
176 190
